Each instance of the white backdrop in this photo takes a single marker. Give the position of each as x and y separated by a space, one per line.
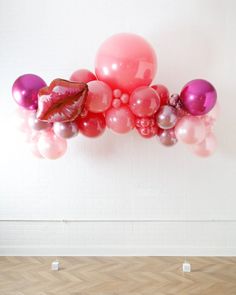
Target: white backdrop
131 195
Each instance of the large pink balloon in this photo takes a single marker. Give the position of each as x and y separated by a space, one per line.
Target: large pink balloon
120 120
207 147
126 61
50 146
99 97
190 130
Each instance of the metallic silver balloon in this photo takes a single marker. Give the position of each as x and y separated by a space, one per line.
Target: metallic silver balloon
167 137
65 129
36 124
167 117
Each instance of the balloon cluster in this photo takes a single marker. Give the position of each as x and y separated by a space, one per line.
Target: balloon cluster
118 96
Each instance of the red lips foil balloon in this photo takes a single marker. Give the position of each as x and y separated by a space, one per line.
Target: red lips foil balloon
61 101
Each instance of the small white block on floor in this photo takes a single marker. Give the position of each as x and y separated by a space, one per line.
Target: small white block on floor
55 265
186 267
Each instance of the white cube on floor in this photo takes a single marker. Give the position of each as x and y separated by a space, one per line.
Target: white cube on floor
55 265
186 267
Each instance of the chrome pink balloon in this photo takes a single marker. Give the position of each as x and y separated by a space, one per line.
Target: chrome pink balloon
36 124
198 97
167 137
99 97
25 90
126 61
65 130
144 101
207 147
190 130
167 117
51 146
82 75
120 120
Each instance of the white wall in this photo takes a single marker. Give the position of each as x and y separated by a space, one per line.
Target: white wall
125 194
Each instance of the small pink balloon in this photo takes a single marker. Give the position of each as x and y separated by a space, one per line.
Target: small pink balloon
144 101
65 129
210 118
99 97
33 144
120 120
51 146
207 147
126 61
190 130
167 137
83 75
36 124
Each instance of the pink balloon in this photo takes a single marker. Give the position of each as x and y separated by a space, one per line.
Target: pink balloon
33 144
126 61
91 125
65 129
207 147
50 146
190 130
144 101
120 120
210 118
83 75
99 97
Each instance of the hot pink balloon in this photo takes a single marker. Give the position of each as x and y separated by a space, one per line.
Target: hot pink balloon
190 130
126 61
144 101
207 147
51 146
99 97
83 75
120 120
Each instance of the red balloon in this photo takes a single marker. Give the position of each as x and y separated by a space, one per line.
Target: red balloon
163 93
92 125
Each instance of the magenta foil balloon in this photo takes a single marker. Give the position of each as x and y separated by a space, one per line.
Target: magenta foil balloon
25 90
198 97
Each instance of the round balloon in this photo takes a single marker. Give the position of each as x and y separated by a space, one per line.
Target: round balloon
167 117
190 130
167 137
120 120
99 97
126 61
162 92
144 101
207 147
92 125
82 75
198 97
25 90
36 124
65 129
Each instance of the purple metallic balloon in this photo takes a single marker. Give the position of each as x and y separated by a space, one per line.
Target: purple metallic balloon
25 90
166 117
167 137
198 97
65 129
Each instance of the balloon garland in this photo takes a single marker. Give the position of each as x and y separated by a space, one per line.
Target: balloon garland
118 96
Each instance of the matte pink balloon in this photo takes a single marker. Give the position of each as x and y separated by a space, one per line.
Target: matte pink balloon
190 130
51 146
99 97
65 129
120 120
126 61
207 147
144 101
83 75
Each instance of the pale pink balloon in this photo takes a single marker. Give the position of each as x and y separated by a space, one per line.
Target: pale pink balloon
120 120
210 118
190 130
99 97
207 147
126 61
50 146
33 144
83 75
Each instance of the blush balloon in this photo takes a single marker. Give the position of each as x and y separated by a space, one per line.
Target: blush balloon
65 129
51 146
83 75
99 97
120 120
167 117
25 90
144 101
126 61
167 137
162 92
190 130
207 147
92 125
198 97
33 144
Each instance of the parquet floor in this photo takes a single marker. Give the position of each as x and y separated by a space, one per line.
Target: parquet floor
117 275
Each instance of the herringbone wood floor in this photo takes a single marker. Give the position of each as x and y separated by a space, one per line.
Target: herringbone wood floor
117 275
